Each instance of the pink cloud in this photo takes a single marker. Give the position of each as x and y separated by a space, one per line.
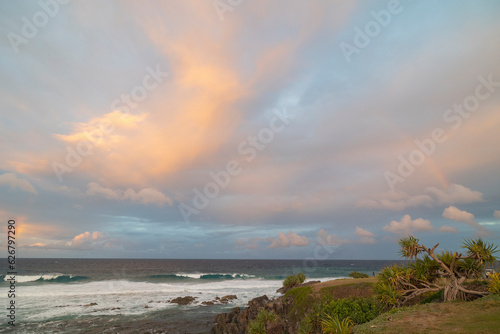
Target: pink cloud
366 237
144 196
431 196
287 240
11 180
407 226
331 239
453 213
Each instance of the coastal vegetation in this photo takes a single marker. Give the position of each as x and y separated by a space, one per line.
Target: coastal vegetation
434 291
447 272
355 274
258 326
294 280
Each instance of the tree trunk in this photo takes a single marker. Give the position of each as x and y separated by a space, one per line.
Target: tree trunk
452 291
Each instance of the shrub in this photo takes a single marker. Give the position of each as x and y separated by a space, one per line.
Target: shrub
333 324
301 278
291 281
387 294
494 286
258 325
360 310
356 274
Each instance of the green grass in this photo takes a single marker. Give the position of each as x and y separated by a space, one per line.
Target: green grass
303 301
479 316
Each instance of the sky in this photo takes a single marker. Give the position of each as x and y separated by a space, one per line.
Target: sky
248 129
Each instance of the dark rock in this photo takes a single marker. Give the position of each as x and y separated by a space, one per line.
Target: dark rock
183 300
91 304
222 318
207 303
237 321
229 297
234 312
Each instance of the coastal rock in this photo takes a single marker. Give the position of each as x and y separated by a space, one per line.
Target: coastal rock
207 303
228 298
219 301
183 300
237 320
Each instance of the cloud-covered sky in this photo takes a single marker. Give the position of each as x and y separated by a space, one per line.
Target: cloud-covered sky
248 129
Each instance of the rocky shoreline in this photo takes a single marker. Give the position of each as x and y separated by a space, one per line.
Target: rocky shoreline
238 320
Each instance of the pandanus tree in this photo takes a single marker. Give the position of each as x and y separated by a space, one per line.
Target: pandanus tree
433 272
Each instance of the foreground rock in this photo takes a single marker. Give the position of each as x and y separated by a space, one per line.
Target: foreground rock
237 321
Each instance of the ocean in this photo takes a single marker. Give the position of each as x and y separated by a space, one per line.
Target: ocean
131 296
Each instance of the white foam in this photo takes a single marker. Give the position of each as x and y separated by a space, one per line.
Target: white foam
199 275
33 278
43 302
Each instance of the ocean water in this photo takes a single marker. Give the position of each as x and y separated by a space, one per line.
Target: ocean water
52 295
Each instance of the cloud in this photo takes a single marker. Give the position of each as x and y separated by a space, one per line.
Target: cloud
496 214
457 215
87 241
283 240
11 180
331 239
408 226
102 131
455 193
453 213
252 243
287 240
448 229
366 237
431 196
145 196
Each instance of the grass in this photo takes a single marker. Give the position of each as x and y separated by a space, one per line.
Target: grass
347 290
302 300
479 316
